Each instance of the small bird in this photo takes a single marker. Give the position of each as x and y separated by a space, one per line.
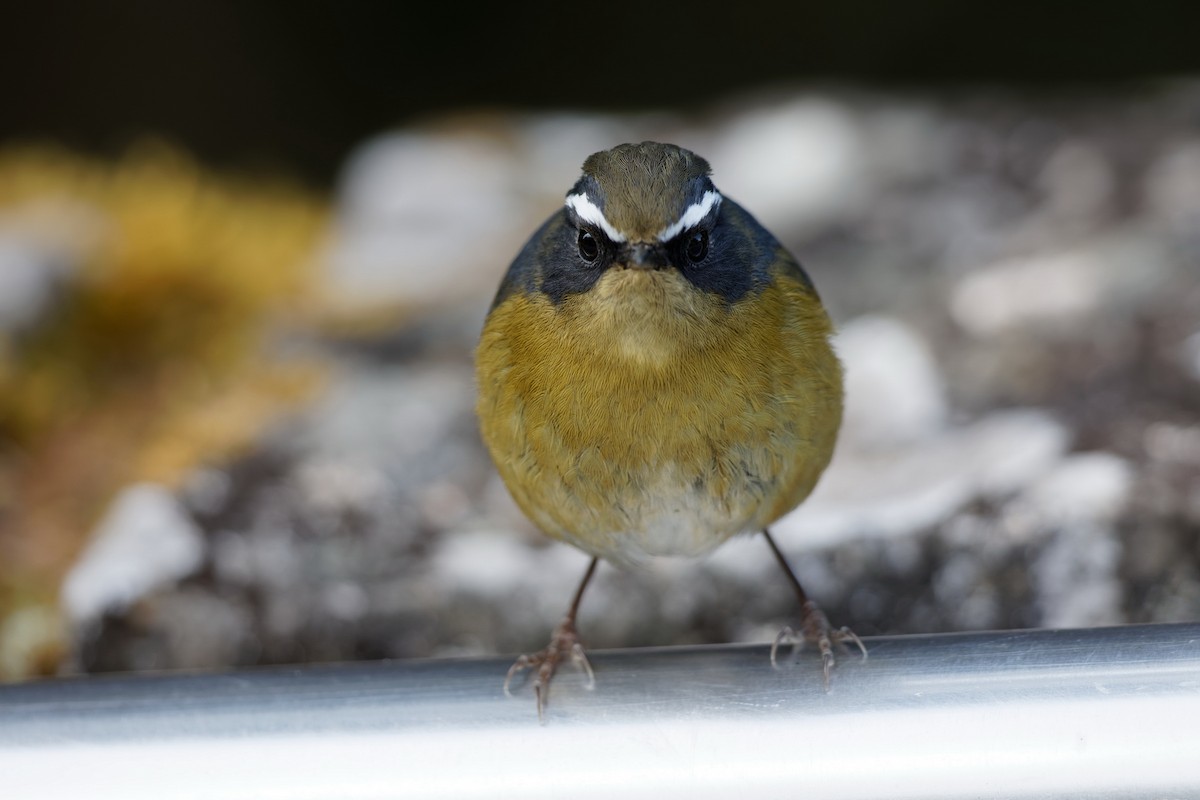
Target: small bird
655 376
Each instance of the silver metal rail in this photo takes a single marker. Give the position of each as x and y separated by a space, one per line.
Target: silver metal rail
1103 713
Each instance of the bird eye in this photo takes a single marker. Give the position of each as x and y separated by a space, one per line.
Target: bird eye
589 248
697 246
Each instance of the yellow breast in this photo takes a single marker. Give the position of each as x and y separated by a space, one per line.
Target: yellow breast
646 417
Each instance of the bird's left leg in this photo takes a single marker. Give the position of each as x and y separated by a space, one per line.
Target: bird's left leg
814 625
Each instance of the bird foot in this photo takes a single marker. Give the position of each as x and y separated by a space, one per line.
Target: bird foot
564 645
815 629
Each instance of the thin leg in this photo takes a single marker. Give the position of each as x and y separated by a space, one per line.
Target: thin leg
814 626
564 643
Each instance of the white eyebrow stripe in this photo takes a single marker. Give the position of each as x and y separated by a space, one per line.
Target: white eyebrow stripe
692 216
588 212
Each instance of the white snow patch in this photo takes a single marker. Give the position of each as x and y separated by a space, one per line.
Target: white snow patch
146 540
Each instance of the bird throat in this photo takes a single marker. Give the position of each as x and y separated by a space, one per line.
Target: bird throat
644 317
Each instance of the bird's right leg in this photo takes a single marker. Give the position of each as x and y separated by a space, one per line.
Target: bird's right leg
564 644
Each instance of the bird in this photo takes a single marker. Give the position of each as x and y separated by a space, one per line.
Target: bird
655 376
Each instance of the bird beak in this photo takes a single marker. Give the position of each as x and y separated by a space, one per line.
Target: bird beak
641 255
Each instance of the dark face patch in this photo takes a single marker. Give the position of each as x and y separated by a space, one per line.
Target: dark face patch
742 257
550 263
652 184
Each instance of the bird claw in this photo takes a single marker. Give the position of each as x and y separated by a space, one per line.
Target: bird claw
815 628
564 644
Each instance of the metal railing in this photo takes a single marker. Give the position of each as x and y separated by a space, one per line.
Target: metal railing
1109 712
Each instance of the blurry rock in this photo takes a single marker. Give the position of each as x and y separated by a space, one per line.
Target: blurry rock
340 485
1177 444
496 564
894 392
906 490
1172 187
193 627
795 164
266 557
1090 487
900 140
1059 290
1011 294
207 490
28 280
1191 355
42 244
1078 182
399 420
1073 510
423 219
145 541
1076 578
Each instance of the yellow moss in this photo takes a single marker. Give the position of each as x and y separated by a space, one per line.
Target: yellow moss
190 433
156 357
31 642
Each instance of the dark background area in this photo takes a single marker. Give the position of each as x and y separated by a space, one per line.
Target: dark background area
293 86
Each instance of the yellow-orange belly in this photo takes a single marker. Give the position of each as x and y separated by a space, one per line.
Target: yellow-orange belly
646 418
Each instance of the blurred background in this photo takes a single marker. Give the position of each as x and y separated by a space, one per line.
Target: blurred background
246 250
